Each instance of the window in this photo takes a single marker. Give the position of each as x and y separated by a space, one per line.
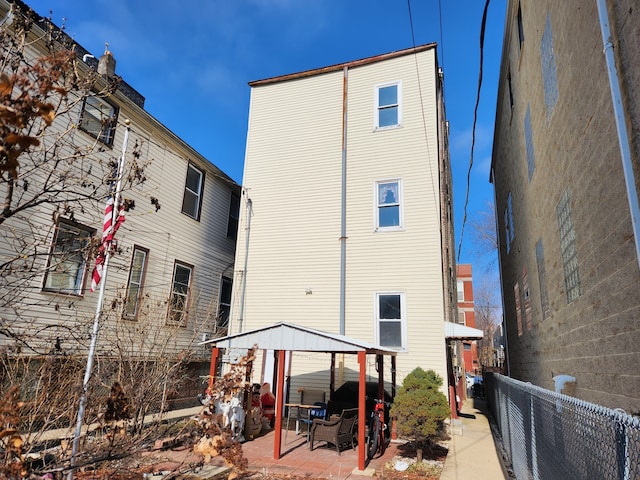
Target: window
528 142
224 303
568 248
520 27
234 215
390 320
388 110
508 223
99 119
516 295
461 318
388 205
460 291
542 280
136 279
179 301
192 200
466 346
67 264
549 74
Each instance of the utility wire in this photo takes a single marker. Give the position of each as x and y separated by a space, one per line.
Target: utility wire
475 119
424 120
441 34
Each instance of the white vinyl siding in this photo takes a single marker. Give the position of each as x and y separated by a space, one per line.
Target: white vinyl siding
293 178
162 228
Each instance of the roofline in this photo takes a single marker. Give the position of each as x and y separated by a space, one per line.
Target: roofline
340 66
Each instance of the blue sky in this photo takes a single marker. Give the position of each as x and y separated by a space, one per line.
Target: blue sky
192 60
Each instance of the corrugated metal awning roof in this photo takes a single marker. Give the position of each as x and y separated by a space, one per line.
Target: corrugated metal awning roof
290 337
457 331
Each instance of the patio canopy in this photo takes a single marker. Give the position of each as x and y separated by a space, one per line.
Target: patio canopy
287 337
457 331
291 337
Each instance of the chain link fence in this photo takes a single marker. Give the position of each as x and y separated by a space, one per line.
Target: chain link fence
546 435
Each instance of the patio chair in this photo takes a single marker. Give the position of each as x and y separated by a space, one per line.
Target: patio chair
318 412
338 432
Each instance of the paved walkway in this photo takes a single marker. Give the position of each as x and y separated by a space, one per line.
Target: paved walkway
472 451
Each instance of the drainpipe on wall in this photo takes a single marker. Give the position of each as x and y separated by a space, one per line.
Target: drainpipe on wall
621 125
343 206
246 257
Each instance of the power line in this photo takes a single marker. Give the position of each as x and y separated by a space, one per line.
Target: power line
475 119
441 34
424 120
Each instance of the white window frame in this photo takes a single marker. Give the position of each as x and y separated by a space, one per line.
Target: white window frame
195 194
378 206
99 119
460 290
178 292
67 268
135 283
402 320
377 108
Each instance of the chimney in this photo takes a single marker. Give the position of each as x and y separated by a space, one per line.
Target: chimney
107 64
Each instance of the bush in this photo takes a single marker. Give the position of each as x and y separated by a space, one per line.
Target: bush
420 407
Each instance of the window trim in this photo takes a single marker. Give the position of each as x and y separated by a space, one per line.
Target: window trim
378 206
402 320
107 133
78 288
377 108
143 273
185 312
199 195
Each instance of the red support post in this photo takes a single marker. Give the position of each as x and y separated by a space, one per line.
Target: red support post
277 441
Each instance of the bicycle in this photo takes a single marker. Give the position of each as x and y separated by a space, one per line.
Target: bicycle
377 443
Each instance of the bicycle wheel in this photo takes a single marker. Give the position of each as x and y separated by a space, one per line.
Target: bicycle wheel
374 437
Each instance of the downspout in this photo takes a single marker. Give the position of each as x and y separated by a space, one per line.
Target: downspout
343 206
621 125
246 261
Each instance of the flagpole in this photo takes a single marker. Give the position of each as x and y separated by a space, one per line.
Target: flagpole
96 321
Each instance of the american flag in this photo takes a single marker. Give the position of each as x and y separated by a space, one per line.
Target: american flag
110 225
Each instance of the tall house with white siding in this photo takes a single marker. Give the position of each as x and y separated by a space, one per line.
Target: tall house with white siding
345 224
169 282
565 168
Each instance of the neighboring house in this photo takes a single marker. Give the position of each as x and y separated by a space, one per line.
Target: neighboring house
169 282
466 316
347 213
565 172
